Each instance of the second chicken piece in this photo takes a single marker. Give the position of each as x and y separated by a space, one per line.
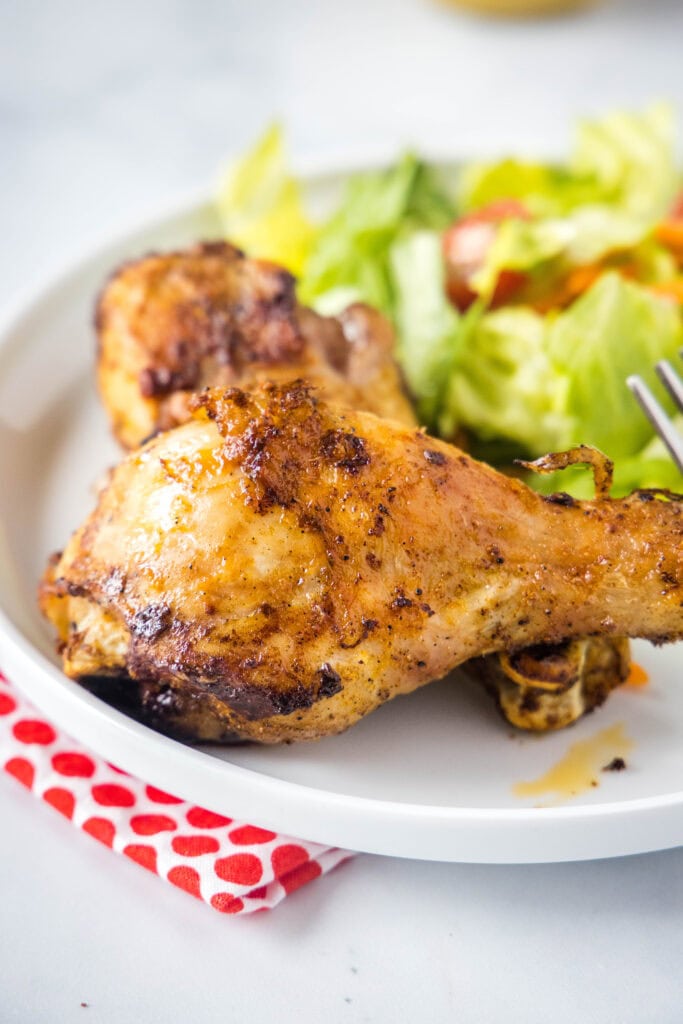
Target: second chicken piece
171 324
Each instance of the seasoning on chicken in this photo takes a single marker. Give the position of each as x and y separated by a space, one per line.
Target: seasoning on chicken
295 565
171 324
207 315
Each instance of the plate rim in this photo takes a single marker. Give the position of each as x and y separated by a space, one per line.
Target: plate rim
56 698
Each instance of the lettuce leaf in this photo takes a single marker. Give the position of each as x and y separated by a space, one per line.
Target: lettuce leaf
651 467
630 157
625 160
261 208
351 257
546 383
521 245
582 237
428 326
585 237
505 386
615 329
621 181
546 190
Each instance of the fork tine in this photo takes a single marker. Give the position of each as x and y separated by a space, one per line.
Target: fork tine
671 381
658 418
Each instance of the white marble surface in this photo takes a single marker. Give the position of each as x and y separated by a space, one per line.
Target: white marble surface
108 111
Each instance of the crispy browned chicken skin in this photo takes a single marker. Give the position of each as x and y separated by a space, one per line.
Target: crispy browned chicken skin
171 324
207 315
295 565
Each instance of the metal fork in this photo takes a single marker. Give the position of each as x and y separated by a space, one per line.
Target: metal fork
654 411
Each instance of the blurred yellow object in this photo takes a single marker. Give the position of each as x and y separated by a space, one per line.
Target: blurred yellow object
260 205
516 8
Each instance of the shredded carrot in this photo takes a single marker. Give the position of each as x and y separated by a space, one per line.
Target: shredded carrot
581 278
673 289
576 282
670 234
637 676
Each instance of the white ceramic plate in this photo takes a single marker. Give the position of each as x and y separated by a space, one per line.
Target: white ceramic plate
428 776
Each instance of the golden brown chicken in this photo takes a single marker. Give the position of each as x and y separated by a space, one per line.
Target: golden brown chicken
207 315
292 566
537 689
171 324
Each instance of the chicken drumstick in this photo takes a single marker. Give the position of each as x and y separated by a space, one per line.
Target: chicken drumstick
294 565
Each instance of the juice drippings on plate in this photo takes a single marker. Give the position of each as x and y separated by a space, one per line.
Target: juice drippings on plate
580 767
637 676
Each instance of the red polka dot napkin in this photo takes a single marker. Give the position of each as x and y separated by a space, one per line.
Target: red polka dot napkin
235 867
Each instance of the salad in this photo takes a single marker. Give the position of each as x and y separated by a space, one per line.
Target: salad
523 293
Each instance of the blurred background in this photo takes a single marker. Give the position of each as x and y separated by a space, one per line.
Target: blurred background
110 111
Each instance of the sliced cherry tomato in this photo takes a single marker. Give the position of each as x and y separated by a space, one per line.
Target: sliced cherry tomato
465 245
